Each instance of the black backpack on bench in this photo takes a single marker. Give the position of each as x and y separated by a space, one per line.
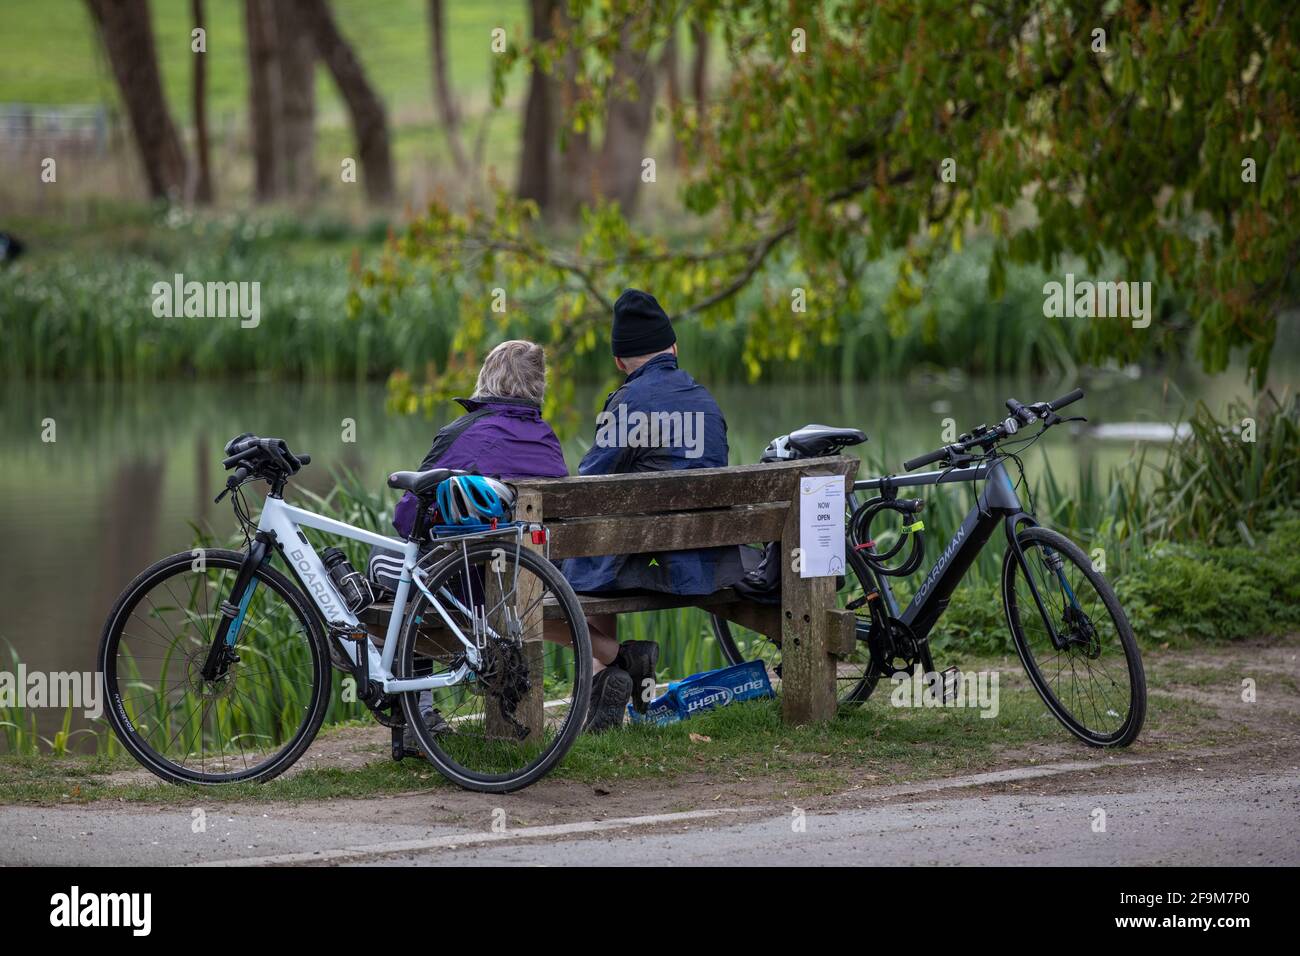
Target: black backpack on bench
762 581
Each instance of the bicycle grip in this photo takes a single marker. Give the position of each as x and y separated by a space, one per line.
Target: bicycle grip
1069 399
925 459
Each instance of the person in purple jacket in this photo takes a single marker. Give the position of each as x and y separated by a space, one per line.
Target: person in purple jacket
502 434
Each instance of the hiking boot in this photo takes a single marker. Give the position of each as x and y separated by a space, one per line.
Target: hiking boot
639 659
609 694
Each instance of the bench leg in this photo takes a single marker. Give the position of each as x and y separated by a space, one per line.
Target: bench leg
530 712
808 642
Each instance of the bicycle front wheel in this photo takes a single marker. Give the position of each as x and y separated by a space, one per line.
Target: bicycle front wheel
251 722
512 716
1077 647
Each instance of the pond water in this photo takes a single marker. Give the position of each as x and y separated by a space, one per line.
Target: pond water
133 468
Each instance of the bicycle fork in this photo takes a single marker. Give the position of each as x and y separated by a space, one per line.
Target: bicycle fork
221 653
1056 565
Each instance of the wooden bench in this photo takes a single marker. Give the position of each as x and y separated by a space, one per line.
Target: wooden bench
707 507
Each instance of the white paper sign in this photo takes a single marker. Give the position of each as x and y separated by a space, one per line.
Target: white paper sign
821 526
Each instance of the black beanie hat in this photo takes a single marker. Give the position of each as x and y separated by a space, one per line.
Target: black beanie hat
641 326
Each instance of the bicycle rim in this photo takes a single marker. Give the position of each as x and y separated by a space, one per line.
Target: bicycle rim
253 722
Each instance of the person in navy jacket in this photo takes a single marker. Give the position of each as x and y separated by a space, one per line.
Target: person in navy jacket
660 419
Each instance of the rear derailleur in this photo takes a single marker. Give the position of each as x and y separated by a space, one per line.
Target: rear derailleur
502 676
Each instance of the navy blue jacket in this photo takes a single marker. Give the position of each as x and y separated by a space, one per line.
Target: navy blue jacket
681 426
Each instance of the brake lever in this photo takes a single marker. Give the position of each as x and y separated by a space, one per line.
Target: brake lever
234 481
1054 419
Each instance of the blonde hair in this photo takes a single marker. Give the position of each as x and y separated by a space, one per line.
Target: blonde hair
514 369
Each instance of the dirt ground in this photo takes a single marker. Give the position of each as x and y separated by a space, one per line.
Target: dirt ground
1244 746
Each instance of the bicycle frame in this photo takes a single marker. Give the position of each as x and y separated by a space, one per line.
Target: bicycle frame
997 504
280 526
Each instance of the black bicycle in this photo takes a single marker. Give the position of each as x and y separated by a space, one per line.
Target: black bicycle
1072 636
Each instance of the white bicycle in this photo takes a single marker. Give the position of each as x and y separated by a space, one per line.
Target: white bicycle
217 665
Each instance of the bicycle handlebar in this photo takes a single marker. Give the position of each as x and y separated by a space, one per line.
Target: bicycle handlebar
917 462
1021 415
253 457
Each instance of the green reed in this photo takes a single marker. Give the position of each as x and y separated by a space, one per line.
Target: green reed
85 310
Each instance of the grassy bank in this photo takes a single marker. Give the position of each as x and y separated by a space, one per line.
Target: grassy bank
738 743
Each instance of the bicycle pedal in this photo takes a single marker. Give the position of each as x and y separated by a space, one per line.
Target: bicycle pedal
951 683
399 747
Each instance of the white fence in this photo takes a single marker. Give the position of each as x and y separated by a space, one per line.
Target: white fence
28 127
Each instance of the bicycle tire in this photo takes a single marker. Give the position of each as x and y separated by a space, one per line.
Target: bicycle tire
125 729
858 690
1128 730
578 702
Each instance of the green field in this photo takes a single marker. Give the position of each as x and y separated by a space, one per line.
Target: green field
47 53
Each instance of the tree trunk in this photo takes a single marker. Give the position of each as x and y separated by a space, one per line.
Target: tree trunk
535 157
573 163
263 99
127 36
369 120
296 53
700 64
627 127
668 62
203 174
442 94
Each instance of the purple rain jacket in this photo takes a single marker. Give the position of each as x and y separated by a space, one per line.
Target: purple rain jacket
501 437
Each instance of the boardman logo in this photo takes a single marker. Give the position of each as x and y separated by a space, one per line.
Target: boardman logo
1102 300
75 909
208 300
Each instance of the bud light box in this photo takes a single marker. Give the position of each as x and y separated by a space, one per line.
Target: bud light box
706 691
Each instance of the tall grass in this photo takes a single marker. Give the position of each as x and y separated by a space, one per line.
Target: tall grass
92 315
1218 483
87 312
19 731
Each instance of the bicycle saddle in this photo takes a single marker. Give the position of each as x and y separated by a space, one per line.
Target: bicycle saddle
420 483
812 441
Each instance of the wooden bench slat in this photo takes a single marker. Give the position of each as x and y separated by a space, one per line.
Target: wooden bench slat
683 530
652 601
685 489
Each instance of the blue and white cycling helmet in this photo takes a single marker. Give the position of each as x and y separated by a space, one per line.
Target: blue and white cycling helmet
474 499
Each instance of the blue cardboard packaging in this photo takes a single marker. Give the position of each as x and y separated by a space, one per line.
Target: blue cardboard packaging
706 691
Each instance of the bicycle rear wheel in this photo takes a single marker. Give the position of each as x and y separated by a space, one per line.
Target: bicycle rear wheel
249 724
518 712
856 676
1094 684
